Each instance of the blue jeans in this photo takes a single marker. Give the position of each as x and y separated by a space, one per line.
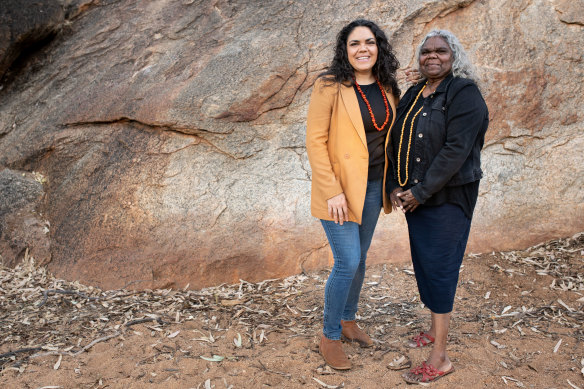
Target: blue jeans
349 244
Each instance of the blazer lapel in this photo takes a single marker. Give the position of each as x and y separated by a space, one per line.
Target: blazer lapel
392 103
352 106
392 100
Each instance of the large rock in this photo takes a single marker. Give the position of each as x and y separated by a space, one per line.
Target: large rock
23 230
26 25
171 133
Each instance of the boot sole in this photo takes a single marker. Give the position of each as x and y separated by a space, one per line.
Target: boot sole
335 367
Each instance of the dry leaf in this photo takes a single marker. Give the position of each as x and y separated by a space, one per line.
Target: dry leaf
230 303
326 370
557 347
237 340
214 358
565 305
58 364
572 385
399 363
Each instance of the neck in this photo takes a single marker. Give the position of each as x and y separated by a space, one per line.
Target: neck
364 78
432 84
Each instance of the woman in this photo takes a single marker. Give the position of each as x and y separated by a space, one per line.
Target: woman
351 110
433 177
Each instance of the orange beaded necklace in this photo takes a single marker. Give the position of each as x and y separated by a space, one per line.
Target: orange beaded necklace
369 106
401 138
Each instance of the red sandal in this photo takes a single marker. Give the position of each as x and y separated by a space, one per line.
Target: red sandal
422 339
425 373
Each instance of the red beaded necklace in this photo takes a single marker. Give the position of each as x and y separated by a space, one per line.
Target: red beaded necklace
369 106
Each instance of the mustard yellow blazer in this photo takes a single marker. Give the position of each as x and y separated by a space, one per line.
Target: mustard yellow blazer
337 149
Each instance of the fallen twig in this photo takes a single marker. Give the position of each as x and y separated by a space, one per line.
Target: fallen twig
273 371
22 350
93 343
144 320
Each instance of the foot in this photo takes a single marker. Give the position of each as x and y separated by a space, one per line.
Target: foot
421 340
425 373
353 333
333 354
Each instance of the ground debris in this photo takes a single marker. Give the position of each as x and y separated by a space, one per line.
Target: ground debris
518 307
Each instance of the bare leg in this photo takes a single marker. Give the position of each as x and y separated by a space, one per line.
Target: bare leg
437 358
432 332
439 330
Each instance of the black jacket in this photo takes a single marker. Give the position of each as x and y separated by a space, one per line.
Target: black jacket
449 136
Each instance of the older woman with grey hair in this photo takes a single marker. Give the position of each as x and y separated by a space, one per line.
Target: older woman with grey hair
433 176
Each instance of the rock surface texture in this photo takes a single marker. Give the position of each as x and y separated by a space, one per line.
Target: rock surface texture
169 135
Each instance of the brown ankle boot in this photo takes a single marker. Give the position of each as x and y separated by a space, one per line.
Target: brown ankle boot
353 333
333 354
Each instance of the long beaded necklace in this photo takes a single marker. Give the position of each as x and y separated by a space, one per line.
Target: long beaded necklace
401 138
369 106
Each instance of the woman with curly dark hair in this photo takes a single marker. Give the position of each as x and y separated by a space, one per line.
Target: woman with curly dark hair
351 111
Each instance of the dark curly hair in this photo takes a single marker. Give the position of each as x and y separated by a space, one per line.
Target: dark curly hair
384 69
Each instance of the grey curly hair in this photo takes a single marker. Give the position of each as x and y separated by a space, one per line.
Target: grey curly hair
461 65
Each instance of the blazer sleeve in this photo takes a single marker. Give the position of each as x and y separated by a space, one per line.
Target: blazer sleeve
320 111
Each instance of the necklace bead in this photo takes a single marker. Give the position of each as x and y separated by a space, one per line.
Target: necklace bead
369 106
401 138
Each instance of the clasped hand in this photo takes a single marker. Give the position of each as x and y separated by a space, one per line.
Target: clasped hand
403 200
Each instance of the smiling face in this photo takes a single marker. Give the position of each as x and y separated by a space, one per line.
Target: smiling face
362 51
435 59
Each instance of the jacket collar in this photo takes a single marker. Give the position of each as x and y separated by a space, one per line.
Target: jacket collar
444 84
414 90
441 88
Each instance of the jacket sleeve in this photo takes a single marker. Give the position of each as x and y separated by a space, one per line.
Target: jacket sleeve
465 117
391 183
320 110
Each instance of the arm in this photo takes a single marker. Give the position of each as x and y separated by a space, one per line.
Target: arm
465 117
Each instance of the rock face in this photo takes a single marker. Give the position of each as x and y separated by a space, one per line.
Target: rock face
21 227
170 134
25 24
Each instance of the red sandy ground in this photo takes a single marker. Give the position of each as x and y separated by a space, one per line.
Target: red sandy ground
286 358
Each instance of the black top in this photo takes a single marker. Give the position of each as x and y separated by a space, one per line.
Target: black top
375 139
440 132
396 137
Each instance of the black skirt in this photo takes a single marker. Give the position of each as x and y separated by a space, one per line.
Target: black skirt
438 237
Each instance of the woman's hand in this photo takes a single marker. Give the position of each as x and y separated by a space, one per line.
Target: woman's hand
413 76
337 208
395 200
408 200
